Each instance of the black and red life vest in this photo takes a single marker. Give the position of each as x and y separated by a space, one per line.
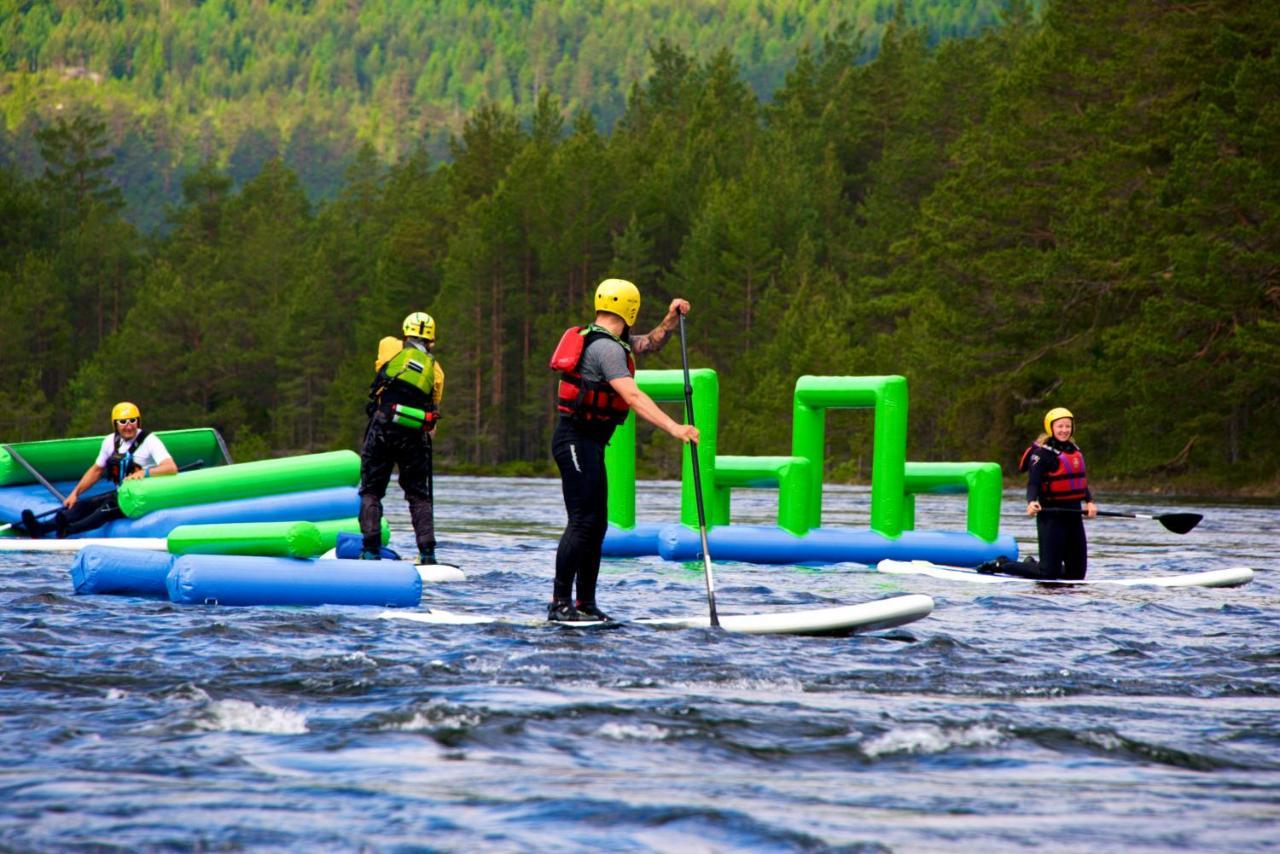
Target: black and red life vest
1067 482
120 464
585 400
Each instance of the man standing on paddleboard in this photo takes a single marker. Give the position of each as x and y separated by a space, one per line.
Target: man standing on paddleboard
597 389
404 401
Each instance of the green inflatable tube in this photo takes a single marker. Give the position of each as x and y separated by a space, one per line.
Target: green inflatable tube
269 539
244 480
330 528
67 459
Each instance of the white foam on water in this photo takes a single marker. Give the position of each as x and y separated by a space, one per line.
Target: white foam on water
929 739
243 716
634 732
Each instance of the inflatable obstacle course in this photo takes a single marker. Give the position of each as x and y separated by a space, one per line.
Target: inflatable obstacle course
799 536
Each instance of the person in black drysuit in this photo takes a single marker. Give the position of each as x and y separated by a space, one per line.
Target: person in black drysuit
404 401
1057 485
597 389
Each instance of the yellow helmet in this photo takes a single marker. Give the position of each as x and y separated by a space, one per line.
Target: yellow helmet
420 325
1054 414
124 409
620 297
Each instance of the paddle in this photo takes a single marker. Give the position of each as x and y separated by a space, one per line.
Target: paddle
1179 523
43 515
697 483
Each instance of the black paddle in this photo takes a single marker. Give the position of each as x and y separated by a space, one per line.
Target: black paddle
1179 523
697 484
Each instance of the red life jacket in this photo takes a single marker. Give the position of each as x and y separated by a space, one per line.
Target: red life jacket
594 402
1068 481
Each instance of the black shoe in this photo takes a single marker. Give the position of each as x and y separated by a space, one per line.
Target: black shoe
30 525
591 612
60 524
561 611
427 557
992 567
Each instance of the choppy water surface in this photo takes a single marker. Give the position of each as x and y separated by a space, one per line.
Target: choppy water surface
1137 718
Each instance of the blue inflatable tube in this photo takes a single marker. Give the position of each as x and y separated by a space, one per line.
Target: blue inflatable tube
772 545
241 580
123 572
337 502
640 541
37 499
768 544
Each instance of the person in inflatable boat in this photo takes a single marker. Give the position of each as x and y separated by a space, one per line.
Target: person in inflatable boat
404 405
1056 486
129 453
597 390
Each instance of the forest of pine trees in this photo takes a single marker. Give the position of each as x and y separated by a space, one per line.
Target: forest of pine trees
1073 208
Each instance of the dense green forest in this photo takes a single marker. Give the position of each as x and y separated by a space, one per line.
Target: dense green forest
1074 208
237 82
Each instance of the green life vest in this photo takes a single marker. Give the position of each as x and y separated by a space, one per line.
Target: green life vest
415 368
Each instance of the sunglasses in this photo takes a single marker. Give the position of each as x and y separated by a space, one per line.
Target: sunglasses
124 421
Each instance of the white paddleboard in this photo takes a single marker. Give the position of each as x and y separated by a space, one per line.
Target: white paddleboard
432 573
75 544
1230 577
844 619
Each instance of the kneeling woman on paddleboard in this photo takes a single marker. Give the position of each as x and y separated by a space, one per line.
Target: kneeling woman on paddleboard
1056 486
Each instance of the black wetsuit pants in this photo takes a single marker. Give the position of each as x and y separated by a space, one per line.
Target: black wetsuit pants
386 446
87 514
1064 552
580 456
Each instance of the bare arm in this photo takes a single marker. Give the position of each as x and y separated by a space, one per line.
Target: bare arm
650 411
652 342
157 470
92 476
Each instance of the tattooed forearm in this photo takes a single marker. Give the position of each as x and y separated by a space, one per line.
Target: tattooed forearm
652 342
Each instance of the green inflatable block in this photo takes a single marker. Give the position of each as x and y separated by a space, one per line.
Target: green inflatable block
68 459
330 528
243 480
269 539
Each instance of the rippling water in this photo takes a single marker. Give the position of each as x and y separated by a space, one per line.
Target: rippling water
1073 719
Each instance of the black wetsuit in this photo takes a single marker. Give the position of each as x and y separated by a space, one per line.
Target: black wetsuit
579 452
388 445
1063 549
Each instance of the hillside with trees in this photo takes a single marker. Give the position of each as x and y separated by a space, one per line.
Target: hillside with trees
1073 208
238 82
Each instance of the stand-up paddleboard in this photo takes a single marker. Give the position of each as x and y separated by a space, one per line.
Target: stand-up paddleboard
75 544
1230 577
437 572
430 573
840 620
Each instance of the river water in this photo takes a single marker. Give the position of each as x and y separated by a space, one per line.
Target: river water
1078 720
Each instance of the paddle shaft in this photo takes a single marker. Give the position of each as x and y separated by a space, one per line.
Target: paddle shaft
41 479
1179 523
697 483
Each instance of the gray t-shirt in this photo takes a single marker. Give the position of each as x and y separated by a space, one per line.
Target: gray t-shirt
603 360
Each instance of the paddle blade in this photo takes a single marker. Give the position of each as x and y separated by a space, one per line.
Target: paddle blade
1179 523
